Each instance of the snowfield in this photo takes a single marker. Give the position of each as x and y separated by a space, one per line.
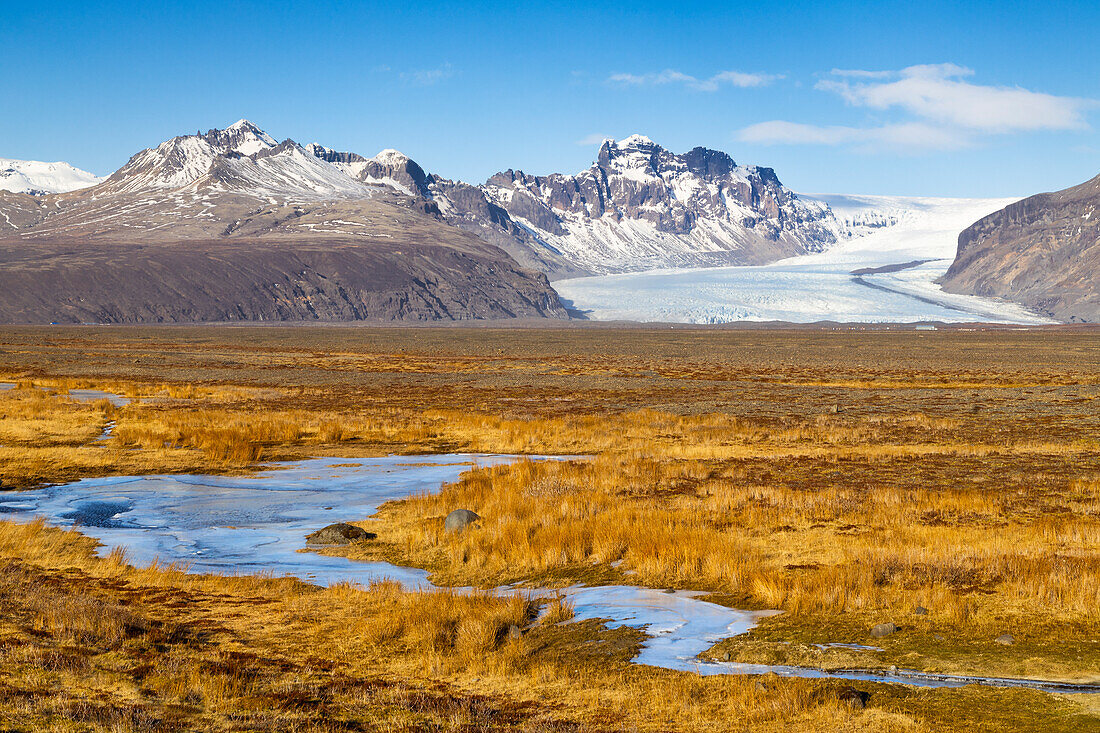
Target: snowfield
909 241
36 177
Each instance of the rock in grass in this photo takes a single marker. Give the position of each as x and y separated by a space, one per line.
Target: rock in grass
459 520
1005 640
920 611
853 697
880 630
341 533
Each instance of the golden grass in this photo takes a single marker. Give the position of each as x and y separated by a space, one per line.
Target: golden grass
92 644
842 478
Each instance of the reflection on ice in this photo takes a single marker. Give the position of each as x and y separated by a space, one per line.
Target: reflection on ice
239 525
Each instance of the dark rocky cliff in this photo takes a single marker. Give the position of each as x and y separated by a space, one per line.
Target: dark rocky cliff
1042 252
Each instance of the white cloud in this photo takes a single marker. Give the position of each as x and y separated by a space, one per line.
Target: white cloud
901 137
944 110
938 93
427 77
593 139
862 74
712 84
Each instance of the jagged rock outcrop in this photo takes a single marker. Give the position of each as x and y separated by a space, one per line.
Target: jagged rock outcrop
640 206
1043 252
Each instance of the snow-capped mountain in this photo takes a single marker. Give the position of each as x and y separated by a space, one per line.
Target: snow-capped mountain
231 225
638 207
389 168
241 159
38 178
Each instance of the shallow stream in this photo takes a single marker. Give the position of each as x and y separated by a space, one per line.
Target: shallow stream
258 523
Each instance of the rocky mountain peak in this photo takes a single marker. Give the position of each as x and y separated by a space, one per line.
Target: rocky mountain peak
642 206
390 168
332 156
242 138
635 156
240 159
708 163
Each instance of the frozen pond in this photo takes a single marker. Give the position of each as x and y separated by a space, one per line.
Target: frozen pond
258 523
91 395
242 525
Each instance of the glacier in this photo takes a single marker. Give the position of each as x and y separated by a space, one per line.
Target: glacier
882 270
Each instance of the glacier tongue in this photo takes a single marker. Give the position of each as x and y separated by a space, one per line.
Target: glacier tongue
885 273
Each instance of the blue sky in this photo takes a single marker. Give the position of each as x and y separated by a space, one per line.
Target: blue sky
928 98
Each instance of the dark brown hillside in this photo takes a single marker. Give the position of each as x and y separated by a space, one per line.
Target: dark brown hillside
1043 252
73 281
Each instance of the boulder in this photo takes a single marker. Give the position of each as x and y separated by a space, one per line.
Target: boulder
459 520
341 533
920 611
853 697
1005 640
880 630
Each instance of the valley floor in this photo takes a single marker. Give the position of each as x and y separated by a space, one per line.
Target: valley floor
945 482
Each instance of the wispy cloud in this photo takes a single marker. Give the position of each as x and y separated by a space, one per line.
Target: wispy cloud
427 77
593 139
945 111
862 74
713 83
902 137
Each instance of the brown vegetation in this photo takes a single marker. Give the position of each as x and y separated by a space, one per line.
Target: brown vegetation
842 478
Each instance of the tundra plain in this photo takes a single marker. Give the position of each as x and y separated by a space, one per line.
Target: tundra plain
947 482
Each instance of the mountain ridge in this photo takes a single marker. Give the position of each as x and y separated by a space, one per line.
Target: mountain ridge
230 225
638 207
